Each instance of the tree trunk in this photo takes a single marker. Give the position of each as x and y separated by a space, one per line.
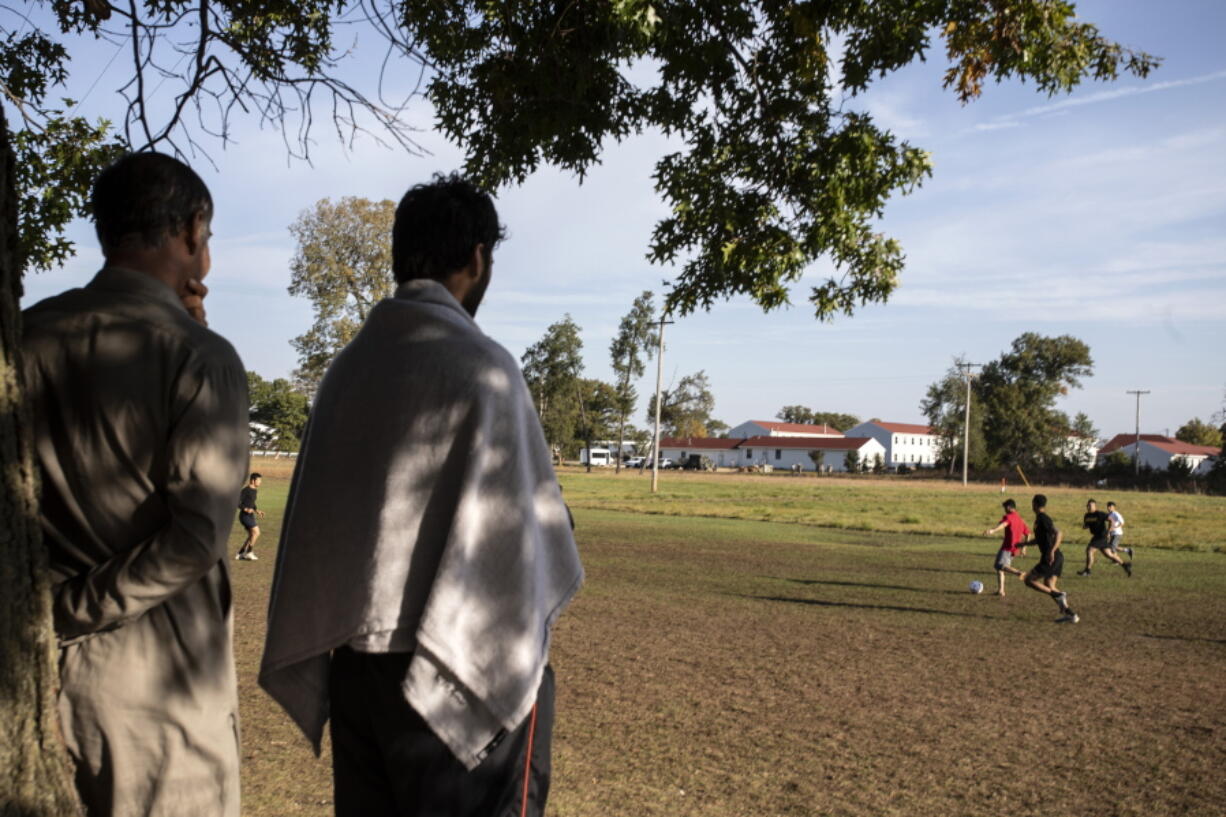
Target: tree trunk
36 780
621 442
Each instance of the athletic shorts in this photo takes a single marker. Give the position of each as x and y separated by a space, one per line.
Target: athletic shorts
1044 571
1003 559
1102 544
247 520
1114 542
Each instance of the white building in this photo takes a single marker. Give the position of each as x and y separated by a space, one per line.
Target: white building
770 428
1080 449
905 443
1158 452
785 452
721 450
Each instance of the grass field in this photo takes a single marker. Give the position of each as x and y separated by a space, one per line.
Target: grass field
722 666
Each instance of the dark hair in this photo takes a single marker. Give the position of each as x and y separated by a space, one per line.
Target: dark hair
1110 504
1091 499
1009 505
438 224
1040 501
255 476
146 197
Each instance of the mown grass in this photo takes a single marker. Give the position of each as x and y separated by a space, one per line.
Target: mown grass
724 667
1168 521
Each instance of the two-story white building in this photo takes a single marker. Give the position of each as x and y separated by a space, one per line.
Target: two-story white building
771 428
786 452
1158 452
905 443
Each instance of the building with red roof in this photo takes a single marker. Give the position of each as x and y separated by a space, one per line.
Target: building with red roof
1158 452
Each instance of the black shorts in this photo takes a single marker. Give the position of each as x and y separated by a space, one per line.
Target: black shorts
1102 543
247 520
1043 570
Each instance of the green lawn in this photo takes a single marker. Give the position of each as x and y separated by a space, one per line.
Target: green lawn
919 506
717 666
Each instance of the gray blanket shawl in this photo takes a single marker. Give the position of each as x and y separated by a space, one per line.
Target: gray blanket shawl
424 515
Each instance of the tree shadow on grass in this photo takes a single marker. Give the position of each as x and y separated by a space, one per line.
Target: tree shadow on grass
889 607
1184 638
873 585
950 570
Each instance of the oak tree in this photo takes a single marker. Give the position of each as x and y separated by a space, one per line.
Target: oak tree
343 266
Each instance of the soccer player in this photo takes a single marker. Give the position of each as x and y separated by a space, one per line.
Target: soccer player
248 517
1115 530
1042 577
1015 533
1097 523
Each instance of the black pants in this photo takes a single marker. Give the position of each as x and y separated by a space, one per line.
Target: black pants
386 762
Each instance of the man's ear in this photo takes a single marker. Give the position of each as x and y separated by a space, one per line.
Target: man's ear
476 263
197 232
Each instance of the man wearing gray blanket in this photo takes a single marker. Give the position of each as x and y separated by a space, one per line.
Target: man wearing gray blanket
426 551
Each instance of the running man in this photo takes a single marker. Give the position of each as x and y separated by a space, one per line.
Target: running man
248 517
1115 531
1042 577
1097 523
1015 534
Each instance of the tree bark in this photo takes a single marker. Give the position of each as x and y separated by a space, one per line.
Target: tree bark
36 780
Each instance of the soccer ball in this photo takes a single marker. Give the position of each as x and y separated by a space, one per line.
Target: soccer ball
976 587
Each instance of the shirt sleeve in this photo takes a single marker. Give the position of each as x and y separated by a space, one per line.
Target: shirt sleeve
207 452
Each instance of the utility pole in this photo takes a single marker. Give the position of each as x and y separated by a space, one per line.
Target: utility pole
655 444
1136 446
966 423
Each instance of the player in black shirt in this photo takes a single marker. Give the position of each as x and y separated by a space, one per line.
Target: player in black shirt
1097 523
248 515
1042 577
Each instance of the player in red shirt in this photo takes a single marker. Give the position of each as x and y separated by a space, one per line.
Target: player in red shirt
1015 535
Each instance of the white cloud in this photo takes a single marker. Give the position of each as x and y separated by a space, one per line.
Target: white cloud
1014 119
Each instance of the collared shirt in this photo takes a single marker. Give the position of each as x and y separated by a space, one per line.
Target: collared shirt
140 434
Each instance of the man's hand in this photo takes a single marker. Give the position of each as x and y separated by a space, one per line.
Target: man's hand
192 297
259 513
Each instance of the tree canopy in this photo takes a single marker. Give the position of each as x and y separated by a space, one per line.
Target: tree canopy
281 409
1197 432
685 409
552 367
342 265
807 416
774 167
628 353
1014 419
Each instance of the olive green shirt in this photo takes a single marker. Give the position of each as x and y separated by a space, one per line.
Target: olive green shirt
141 434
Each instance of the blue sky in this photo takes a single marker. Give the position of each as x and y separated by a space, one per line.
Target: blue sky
1101 214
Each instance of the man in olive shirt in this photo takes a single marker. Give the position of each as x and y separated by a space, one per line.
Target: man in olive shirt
140 436
1042 577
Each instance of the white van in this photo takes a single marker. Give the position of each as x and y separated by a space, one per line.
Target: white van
597 457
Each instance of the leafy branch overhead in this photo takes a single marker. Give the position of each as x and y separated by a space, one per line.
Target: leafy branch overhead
773 167
774 170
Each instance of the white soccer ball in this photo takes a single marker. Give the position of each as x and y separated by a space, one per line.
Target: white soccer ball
976 587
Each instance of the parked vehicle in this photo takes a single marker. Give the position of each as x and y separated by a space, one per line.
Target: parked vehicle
698 462
634 462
